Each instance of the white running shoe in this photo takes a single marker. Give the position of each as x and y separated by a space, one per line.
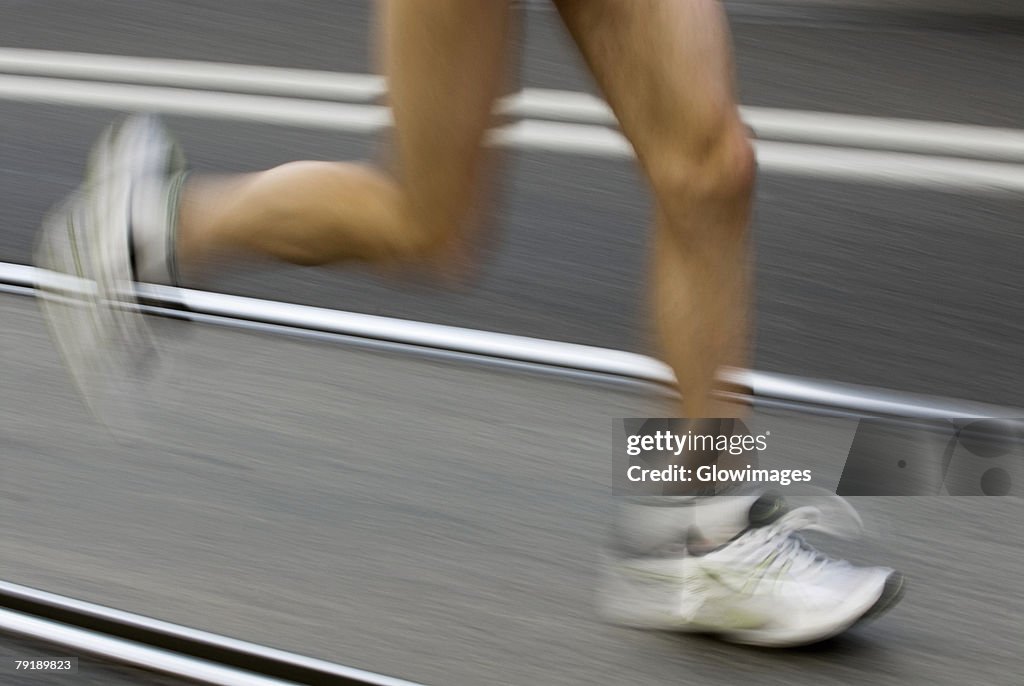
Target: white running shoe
765 587
90 246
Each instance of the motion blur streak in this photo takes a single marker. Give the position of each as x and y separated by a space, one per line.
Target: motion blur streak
440 521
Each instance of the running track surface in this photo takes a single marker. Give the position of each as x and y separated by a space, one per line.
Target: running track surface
432 521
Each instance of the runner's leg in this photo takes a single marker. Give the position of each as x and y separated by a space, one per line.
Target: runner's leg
665 68
444 61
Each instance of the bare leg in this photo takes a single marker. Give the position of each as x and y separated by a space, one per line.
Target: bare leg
444 60
665 67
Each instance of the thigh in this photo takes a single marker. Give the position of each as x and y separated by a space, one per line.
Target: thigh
665 67
445 63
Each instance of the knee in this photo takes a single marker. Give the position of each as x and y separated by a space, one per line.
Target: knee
711 175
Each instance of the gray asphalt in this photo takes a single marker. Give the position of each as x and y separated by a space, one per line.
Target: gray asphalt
433 521
912 289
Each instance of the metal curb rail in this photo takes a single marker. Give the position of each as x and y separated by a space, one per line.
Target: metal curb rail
498 349
164 647
128 653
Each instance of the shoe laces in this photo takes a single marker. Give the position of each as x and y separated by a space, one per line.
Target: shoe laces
780 544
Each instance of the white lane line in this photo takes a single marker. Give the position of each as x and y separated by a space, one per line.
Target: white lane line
548 353
924 137
906 135
784 158
792 159
306 83
890 168
800 126
570 106
261 108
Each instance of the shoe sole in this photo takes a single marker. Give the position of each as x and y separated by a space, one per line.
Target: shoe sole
629 613
892 592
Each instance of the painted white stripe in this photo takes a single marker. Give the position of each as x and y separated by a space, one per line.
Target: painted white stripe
304 83
83 641
571 106
784 158
797 126
556 354
792 159
924 137
889 168
577 139
234 106
906 135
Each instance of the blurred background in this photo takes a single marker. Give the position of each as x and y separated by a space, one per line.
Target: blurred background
916 289
440 522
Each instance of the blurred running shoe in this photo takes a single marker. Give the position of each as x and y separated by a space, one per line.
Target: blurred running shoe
766 586
92 245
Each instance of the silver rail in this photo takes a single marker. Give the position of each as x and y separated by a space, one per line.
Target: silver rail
160 646
498 349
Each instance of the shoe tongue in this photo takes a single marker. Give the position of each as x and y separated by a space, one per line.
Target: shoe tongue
767 509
